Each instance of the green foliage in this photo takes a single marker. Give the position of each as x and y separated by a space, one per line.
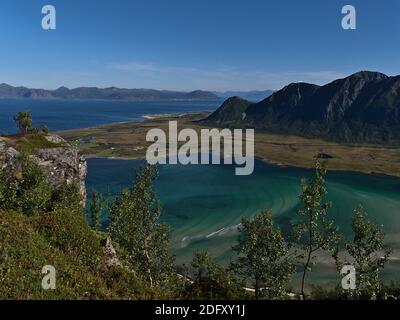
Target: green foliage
8 192
33 192
263 257
45 129
212 281
97 204
64 241
136 228
325 292
29 144
68 198
23 121
69 232
367 253
41 226
314 230
27 190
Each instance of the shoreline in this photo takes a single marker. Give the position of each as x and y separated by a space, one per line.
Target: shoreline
265 161
124 140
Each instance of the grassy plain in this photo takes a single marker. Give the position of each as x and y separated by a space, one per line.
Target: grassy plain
128 141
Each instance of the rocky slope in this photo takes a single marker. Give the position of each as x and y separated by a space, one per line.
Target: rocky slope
364 107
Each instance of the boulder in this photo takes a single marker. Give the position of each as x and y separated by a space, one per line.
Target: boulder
63 165
112 259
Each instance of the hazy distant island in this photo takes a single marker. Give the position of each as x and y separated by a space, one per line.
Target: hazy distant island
94 93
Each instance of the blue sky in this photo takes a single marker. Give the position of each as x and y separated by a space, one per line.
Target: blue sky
195 44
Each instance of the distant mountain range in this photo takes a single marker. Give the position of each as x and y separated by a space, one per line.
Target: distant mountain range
84 93
248 95
362 108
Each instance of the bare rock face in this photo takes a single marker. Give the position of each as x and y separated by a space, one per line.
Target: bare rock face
9 158
64 165
55 139
112 259
61 164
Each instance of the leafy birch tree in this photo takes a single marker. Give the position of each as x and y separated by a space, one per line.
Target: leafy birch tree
263 257
314 230
367 254
135 226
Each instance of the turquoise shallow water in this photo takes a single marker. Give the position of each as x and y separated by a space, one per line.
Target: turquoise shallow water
204 204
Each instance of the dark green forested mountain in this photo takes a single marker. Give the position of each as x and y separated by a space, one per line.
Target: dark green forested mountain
113 93
364 107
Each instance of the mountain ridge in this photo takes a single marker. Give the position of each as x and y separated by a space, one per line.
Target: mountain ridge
361 108
94 93
253 95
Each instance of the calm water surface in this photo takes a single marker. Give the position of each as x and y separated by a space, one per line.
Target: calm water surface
205 204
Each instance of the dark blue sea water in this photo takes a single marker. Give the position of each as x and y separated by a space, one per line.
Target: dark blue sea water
63 114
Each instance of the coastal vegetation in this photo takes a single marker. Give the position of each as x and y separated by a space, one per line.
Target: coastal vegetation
130 257
52 227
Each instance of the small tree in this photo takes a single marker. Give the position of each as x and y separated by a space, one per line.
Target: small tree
97 203
24 121
135 226
263 257
367 254
212 281
315 231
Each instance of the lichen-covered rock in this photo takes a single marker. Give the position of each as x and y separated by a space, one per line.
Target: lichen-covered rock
111 256
61 164
54 138
9 159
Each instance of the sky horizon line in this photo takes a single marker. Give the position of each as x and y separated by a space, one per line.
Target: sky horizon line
340 76
224 45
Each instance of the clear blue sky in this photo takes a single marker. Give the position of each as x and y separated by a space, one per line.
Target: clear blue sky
195 44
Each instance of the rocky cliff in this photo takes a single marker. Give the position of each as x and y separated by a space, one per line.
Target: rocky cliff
61 162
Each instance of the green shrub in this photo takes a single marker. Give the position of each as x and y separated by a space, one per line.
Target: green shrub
69 232
29 144
68 198
212 281
24 252
66 242
34 191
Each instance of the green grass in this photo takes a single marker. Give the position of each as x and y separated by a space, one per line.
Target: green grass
30 144
65 241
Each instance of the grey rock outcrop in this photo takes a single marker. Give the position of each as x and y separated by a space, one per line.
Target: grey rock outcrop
62 164
112 259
